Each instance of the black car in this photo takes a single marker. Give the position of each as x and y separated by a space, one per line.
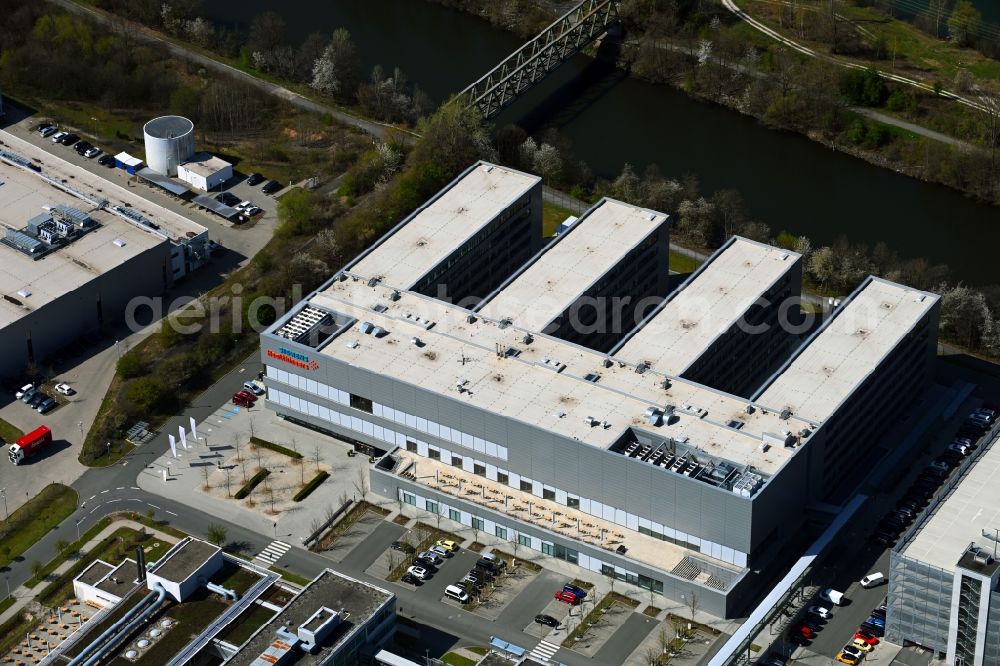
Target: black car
37 399
69 139
798 639
227 198
82 146
402 546
106 160
271 187
879 612
547 620
411 579
255 178
425 563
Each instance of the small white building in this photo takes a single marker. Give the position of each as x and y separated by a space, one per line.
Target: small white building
205 172
102 584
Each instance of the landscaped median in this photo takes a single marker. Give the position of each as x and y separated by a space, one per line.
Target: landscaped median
251 483
311 486
595 615
277 448
33 520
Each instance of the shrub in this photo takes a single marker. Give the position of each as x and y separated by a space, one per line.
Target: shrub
311 486
251 483
277 448
863 87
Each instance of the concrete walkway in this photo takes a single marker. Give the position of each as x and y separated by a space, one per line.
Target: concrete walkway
25 595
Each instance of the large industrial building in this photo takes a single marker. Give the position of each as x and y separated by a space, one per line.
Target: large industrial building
616 462
944 583
75 250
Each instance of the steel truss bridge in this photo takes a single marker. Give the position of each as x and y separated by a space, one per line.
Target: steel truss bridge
531 63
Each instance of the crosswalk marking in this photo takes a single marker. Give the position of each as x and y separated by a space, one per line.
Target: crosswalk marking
273 552
544 651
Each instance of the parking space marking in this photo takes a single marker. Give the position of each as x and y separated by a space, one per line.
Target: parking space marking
104 491
171 513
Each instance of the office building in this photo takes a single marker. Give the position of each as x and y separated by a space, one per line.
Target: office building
610 463
75 250
593 282
728 323
944 582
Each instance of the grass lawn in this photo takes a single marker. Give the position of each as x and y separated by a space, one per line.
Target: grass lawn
681 263
9 433
457 660
552 217
34 519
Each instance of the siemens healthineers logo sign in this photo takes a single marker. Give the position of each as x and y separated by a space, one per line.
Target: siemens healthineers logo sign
298 359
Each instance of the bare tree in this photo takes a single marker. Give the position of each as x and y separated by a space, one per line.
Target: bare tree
652 656
228 471
316 457
361 483
258 452
392 560
204 474
692 603
239 458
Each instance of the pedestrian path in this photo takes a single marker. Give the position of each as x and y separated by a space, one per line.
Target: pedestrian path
544 652
272 553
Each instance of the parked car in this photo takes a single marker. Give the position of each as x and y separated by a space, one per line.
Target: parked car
227 198
241 400
46 129
873 629
402 547
252 210
82 146
805 631
65 389
271 187
964 449
424 563
447 544
93 152
418 572
431 557
45 405
255 178
58 137
243 204
29 394
106 161
846 658
820 611
410 579
832 596
38 398
24 389
567 597
69 139
854 651
872 580
871 639
547 620
439 551
578 591
253 388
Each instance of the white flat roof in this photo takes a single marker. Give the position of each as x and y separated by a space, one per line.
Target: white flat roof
556 278
444 225
707 306
847 349
205 165
95 186
22 196
973 506
528 387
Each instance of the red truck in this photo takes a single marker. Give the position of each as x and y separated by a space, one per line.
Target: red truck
29 445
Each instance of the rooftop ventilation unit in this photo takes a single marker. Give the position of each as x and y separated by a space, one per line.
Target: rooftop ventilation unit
786 414
395 295
642 367
665 384
511 352
487 168
23 242
527 339
553 364
559 414
378 332
750 409
353 344
471 318
378 307
591 377
372 281
24 293
591 421
366 327
416 342
654 416
505 322
75 216
607 363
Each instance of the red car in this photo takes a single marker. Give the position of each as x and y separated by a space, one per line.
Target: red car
248 395
568 597
242 401
866 637
805 631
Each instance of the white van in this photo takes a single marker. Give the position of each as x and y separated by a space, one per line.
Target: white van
832 596
872 580
456 593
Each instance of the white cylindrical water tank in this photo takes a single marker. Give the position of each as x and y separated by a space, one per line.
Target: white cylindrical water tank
169 142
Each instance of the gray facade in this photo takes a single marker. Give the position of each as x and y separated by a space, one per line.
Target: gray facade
95 304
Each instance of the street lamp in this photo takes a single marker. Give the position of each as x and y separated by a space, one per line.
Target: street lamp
3 493
80 426
78 528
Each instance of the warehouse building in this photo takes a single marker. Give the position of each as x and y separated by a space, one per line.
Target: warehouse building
590 284
726 325
609 463
944 583
76 249
205 172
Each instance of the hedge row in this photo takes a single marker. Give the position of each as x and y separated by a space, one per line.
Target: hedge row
277 448
252 483
311 486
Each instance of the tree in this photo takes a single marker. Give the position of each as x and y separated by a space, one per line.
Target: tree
964 23
61 545
692 603
626 185
36 568
966 317
335 72
822 266
548 163
863 86
267 32
317 457
216 534
361 482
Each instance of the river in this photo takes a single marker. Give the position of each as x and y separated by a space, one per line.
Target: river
788 181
